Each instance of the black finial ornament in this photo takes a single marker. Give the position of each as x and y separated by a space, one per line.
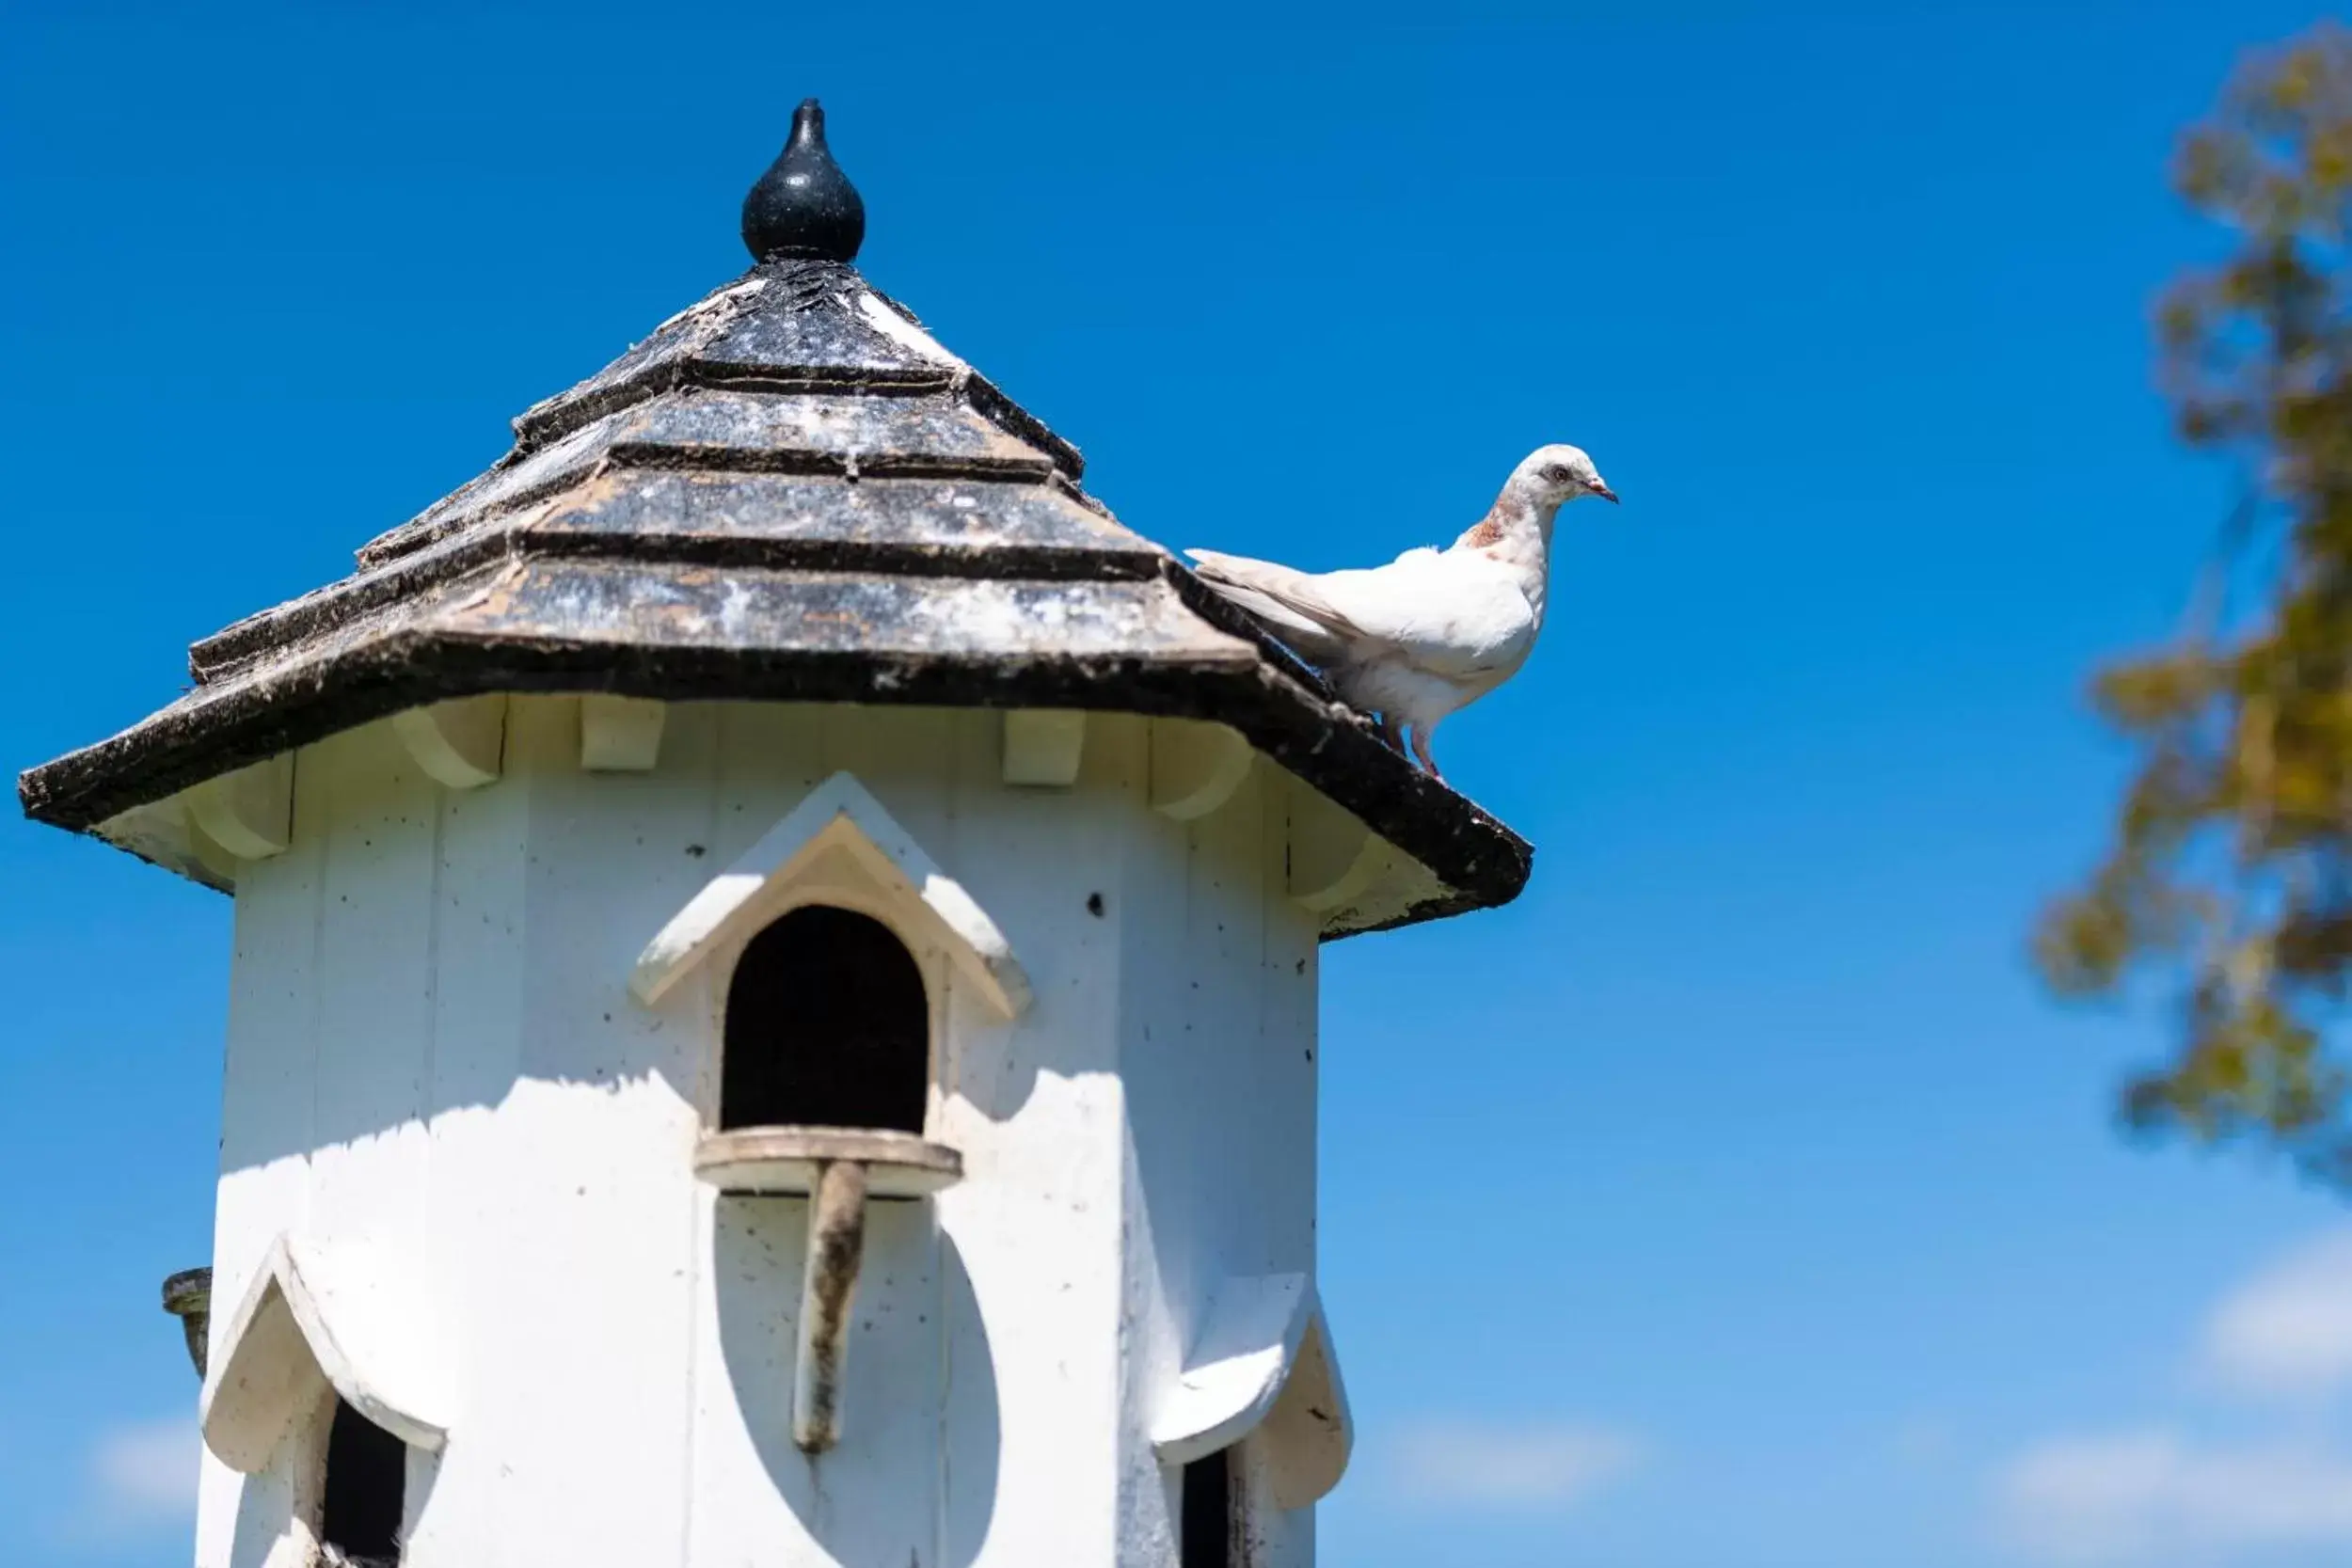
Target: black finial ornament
804 207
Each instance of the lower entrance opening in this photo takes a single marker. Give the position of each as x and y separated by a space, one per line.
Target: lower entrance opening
1205 1528
367 1479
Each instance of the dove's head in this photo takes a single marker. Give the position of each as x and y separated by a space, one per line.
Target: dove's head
1555 475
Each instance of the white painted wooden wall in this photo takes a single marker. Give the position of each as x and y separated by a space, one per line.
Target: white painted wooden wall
433 1050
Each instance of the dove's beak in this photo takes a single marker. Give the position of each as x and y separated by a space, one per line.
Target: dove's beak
1597 488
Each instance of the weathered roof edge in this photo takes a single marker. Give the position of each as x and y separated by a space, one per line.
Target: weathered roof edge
338 686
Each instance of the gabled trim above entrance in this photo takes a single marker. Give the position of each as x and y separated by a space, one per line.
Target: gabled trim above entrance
311 1319
1262 1365
839 831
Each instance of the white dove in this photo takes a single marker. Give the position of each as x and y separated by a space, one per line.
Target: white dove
1434 630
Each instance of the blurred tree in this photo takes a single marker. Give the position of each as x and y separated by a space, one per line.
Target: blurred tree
2232 865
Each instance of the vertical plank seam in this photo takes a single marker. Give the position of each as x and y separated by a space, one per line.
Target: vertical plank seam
950 1071
701 1209
320 874
945 1474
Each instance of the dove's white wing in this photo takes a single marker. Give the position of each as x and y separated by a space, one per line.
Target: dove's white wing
1270 592
1459 614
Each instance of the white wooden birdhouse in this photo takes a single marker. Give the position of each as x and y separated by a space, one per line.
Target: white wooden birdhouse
773 1012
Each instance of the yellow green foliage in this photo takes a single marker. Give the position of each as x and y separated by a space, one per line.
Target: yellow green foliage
2231 865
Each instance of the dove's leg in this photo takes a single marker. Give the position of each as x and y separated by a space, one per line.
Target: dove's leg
1393 732
1420 749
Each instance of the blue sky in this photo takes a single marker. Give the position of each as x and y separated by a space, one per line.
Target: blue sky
1785 1222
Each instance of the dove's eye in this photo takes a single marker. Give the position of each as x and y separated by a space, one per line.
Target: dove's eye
1557 474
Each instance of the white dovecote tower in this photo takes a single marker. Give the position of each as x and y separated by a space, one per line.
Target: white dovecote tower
773 1011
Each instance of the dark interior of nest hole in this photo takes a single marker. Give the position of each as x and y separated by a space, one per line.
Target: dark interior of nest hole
827 1027
367 1474
1205 1532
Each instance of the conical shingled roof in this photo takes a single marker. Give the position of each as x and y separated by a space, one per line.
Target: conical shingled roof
789 491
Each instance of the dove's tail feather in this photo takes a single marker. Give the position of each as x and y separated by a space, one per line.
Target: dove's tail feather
1274 595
